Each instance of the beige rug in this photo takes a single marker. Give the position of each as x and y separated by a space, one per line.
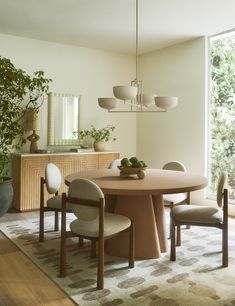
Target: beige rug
196 278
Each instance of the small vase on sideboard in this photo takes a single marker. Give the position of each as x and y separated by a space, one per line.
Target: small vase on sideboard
99 146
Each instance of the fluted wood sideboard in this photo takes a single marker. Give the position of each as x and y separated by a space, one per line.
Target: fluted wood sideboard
28 168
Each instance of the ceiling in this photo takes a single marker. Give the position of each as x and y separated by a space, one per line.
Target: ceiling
110 24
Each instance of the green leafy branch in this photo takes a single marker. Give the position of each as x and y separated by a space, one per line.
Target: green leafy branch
103 134
18 92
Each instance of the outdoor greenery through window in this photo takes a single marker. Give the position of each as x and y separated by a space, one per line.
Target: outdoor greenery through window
222 112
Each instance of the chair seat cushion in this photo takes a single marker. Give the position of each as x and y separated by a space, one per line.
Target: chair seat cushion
113 224
55 202
196 213
174 198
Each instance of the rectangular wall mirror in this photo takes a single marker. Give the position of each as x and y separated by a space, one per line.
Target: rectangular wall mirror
63 118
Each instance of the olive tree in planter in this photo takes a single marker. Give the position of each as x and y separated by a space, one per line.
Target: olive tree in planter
18 93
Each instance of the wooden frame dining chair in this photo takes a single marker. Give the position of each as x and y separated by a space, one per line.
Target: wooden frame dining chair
176 198
86 200
198 215
170 200
52 181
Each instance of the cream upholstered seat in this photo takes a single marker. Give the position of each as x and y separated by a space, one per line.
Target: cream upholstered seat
174 198
115 163
87 202
204 216
52 181
55 202
113 224
197 214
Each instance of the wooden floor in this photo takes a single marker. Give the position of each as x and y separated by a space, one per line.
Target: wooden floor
21 282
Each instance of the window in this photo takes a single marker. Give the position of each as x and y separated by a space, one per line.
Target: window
222 112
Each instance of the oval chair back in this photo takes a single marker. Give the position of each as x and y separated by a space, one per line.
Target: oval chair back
175 166
52 178
86 190
115 163
222 184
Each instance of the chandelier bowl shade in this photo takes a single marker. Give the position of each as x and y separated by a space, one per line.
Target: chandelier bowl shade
125 92
107 103
166 102
148 99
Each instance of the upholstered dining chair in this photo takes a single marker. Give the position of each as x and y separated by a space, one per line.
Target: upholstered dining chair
115 163
197 215
86 200
52 181
170 200
176 198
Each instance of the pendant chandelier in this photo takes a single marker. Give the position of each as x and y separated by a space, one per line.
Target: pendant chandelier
133 95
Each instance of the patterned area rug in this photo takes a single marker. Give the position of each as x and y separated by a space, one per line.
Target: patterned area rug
196 278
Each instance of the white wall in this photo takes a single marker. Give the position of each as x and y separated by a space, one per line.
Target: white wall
156 138
91 73
178 134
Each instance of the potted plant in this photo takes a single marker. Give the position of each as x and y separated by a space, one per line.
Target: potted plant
18 93
100 136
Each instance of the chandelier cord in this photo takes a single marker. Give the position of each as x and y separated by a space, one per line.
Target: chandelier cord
136 41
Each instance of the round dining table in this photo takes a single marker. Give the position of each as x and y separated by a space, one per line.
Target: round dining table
142 201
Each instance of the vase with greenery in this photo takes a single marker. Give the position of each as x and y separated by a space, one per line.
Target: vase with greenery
18 92
100 136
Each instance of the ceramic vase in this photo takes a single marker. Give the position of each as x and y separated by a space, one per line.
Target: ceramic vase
99 145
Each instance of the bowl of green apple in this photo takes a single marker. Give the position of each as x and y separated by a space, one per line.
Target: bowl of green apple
132 166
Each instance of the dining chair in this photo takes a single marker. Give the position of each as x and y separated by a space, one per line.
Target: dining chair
170 200
197 215
115 163
52 181
86 200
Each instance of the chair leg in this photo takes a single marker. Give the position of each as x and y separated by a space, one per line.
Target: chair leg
188 203
173 246
56 225
178 237
93 249
100 270
41 213
132 245
80 242
41 226
225 247
171 206
63 244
